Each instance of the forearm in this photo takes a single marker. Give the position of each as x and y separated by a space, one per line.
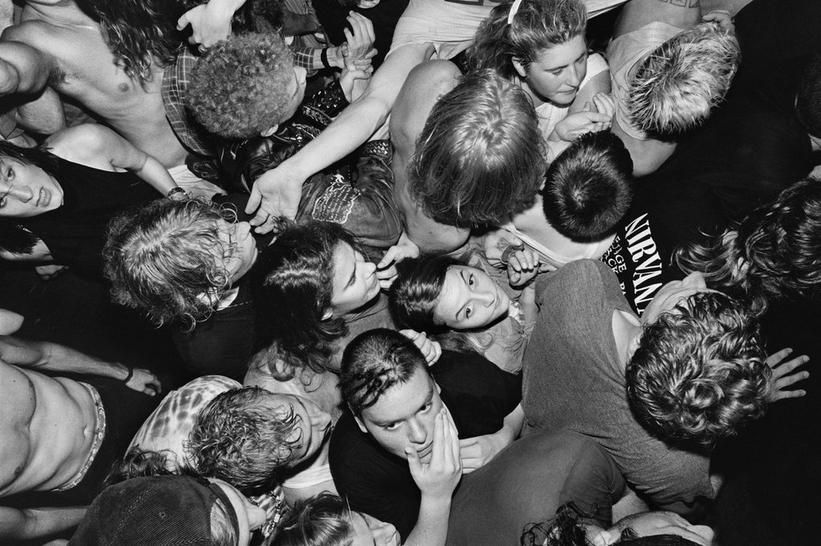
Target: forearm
431 527
59 358
38 523
156 175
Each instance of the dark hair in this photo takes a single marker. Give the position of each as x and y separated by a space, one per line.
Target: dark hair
13 237
772 254
295 290
322 520
699 372
239 88
536 26
479 157
808 99
240 438
374 362
138 32
416 290
588 188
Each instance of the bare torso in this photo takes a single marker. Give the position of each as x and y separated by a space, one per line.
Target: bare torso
47 427
85 71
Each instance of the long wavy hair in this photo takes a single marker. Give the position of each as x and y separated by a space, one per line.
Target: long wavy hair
773 254
294 287
536 26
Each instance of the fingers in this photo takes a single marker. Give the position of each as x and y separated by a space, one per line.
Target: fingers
390 256
184 21
439 448
253 202
775 359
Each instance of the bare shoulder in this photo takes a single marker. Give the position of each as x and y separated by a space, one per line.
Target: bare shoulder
86 144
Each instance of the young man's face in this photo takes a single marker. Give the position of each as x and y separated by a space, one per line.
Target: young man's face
404 416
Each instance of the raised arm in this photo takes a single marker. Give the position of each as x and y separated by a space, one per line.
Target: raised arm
38 523
277 192
23 69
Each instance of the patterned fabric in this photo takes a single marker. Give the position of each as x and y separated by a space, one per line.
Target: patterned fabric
176 79
168 428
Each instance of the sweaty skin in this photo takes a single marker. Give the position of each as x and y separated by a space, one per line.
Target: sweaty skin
58 45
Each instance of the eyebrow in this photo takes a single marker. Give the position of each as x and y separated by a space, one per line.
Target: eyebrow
577 59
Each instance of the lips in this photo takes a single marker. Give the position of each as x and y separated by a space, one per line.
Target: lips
425 451
43 198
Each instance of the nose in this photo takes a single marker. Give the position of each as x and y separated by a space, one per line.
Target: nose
416 432
573 79
694 280
485 298
21 193
369 268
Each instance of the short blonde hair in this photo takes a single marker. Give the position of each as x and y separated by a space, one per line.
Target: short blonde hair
678 84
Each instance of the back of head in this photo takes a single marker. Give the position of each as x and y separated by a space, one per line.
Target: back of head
676 87
535 25
416 290
244 438
138 32
240 87
295 289
323 520
165 259
479 158
159 511
374 362
698 373
808 100
588 188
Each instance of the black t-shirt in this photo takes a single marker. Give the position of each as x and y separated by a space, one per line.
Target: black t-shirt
479 396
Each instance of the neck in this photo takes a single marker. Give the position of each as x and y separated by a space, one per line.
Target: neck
626 332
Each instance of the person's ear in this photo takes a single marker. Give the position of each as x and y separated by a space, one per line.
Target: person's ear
360 424
519 67
269 132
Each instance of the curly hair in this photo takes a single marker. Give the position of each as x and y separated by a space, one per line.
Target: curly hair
240 87
375 361
243 436
808 99
479 157
537 25
676 87
588 188
162 259
699 372
138 32
322 520
294 292
771 255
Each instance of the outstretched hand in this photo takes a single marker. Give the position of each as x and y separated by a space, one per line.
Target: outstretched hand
210 23
275 193
784 375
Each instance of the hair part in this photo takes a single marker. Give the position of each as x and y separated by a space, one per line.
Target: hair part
538 25
676 87
243 438
479 157
322 520
588 188
240 87
373 363
699 373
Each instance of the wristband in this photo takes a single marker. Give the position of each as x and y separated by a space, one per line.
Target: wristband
129 376
174 191
324 58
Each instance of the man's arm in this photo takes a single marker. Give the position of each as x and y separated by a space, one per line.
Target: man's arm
38 523
43 115
638 13
23 69
46 356
278 191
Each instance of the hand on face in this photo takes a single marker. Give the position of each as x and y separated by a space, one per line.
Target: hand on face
439 477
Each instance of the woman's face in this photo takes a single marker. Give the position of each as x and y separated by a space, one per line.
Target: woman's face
354 280
26 190
249 516
557 72
648 524
369 531
469 299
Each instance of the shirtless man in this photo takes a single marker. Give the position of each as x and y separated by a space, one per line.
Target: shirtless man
52 440
58 45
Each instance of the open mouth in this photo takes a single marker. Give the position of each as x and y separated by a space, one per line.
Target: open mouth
43 198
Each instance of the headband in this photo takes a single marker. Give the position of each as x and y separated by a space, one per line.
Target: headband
514 9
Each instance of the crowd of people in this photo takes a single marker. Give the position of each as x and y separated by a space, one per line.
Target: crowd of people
537 272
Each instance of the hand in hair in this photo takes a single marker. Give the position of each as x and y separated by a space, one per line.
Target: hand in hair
429 348
210 22
386 268
722 17
440 476
784 375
